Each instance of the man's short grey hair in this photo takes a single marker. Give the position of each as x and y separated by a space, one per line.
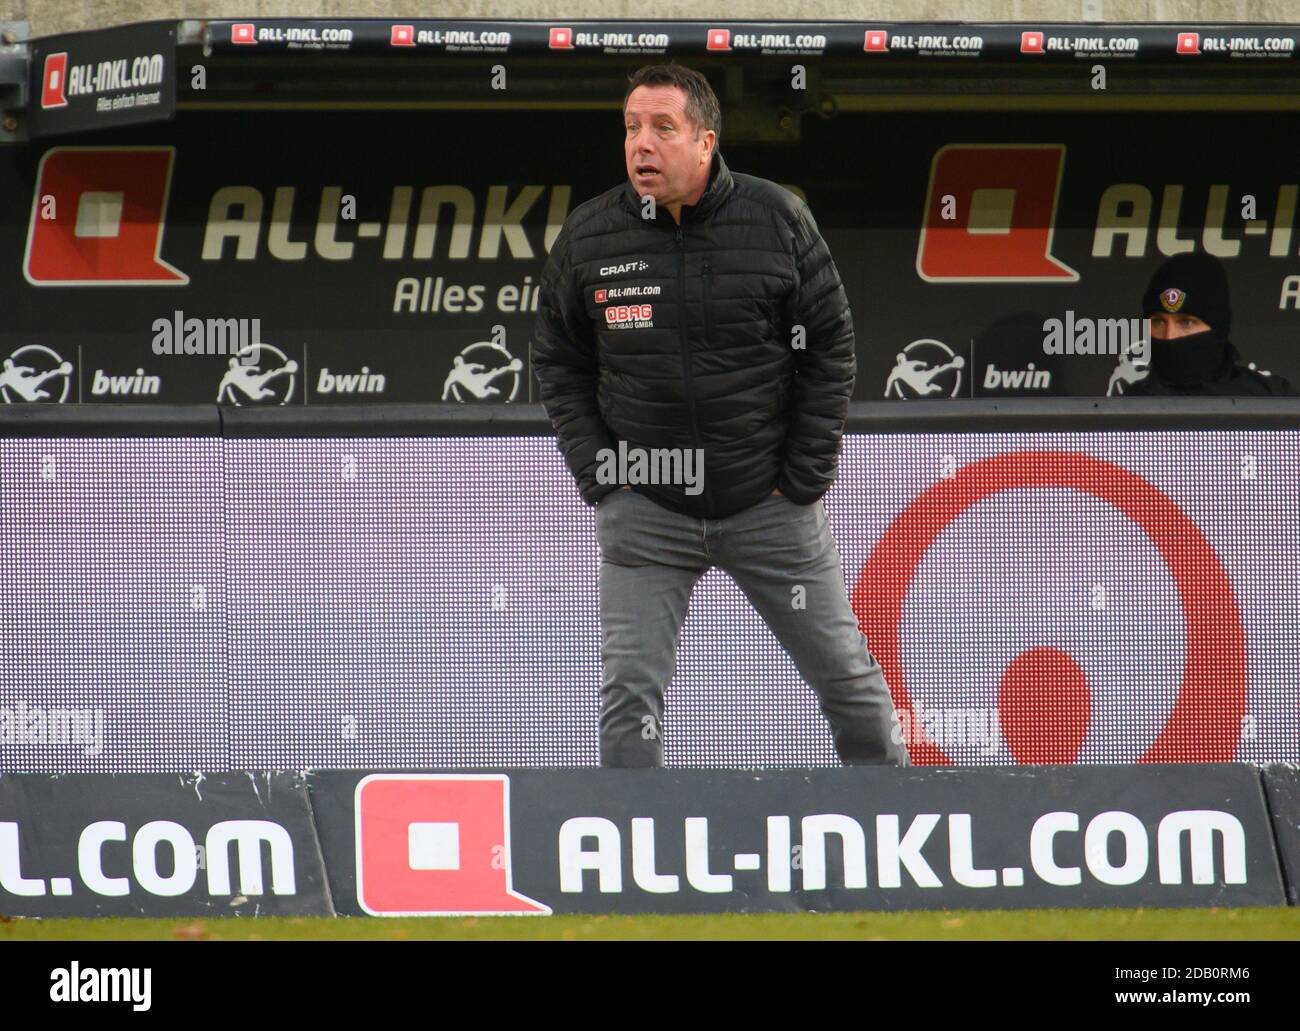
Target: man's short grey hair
702 105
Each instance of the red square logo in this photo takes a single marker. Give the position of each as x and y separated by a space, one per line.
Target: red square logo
561 39
436 844
718 39
140 176
1031 43
1189 43
402 36
600 296
877 41
243 32
54 80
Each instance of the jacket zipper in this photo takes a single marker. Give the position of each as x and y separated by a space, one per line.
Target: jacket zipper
686 352
708 298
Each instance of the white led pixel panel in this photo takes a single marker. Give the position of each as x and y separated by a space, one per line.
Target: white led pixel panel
432 602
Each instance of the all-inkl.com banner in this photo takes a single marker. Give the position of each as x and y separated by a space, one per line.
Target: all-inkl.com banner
433 602
533 843
536 843
344 256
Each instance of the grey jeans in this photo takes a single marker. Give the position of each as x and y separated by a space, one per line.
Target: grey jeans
651 558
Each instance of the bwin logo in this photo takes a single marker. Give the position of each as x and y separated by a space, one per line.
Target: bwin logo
119 386
1016 379
363 382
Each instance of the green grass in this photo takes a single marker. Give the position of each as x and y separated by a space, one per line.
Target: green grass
1278 923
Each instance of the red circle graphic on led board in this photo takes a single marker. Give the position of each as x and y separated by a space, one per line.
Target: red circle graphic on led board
1206 719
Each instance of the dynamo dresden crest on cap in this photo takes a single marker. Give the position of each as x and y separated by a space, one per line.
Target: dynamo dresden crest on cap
1172 299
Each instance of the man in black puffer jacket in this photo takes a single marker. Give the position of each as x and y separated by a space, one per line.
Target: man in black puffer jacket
695 352
1192 354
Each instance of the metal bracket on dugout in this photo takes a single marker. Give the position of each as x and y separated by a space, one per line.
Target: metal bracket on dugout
1009 415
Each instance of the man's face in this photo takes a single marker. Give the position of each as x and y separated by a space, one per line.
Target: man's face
665 159
1165 326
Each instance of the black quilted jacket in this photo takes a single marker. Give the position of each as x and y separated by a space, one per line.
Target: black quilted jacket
729 333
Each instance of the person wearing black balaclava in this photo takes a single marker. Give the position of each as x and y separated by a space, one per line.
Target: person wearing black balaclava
1192 354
